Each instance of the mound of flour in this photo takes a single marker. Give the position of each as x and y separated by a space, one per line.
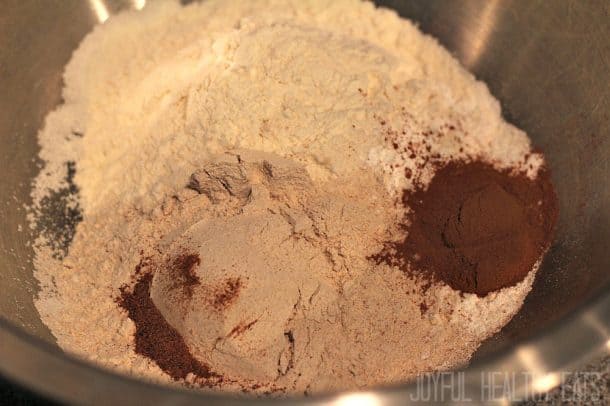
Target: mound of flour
353 95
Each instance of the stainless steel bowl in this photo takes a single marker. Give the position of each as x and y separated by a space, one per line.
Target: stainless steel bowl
547 61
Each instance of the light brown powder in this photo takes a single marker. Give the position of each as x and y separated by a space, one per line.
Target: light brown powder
325 85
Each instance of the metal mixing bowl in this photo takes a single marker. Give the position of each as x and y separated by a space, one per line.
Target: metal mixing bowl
548 62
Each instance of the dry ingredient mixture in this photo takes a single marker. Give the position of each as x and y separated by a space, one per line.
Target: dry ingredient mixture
281 197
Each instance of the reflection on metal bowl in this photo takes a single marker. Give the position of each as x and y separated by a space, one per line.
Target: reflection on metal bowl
547 62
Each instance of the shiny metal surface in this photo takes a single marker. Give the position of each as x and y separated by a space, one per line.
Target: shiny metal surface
548 62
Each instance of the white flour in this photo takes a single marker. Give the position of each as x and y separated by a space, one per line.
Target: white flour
329 85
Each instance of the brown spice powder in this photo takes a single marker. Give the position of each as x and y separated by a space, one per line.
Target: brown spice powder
155 338
226 294
183 268
476 228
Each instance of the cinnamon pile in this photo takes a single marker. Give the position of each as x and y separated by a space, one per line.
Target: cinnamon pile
476 228
155 338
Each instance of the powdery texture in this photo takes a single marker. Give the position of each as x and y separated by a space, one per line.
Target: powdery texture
356 97
275 251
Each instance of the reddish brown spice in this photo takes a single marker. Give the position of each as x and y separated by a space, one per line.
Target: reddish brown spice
476 228
155 338
144 263
183 268
227 293
241 328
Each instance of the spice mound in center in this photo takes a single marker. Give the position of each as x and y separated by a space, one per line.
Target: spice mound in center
476 228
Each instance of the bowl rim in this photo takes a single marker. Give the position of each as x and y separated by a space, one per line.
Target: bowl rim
567 343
